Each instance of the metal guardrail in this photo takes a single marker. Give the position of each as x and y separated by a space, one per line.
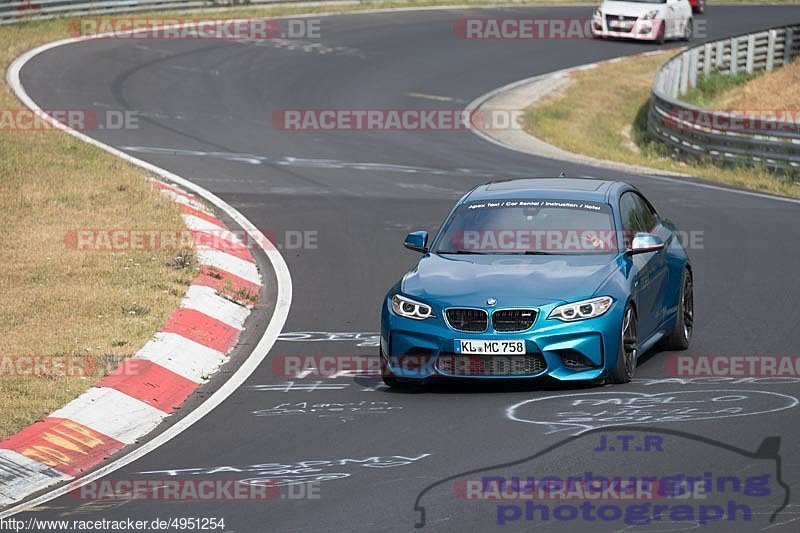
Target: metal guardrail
22 10
717 135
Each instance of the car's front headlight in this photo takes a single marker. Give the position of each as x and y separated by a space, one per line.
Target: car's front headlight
410 308
650 14
598 13
582 310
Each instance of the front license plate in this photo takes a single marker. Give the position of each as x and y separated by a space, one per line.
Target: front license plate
474 347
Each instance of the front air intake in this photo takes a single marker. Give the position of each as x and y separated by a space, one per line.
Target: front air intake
468 320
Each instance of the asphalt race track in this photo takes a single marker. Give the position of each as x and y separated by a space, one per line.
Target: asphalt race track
205 110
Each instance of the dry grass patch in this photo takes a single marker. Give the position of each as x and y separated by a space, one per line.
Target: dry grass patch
603 114
774 91
58 301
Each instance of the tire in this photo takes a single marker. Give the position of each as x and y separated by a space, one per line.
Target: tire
390 381
625 367
662 34
681 334
688 30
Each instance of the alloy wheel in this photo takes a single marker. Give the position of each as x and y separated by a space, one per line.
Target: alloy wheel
688 307
629 341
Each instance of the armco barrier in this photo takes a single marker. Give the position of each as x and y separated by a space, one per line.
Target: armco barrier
774 143
22 10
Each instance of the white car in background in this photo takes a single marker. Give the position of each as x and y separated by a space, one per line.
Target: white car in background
650 20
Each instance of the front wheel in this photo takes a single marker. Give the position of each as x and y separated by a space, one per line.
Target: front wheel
628 348
681 334
662 33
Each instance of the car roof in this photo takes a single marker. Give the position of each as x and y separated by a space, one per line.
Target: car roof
550 188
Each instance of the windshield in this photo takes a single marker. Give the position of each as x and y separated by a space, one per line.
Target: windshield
530 227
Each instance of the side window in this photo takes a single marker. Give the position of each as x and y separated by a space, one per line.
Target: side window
647 215
636 214
629 212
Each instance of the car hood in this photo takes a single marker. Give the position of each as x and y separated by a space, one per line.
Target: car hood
469 280
631 9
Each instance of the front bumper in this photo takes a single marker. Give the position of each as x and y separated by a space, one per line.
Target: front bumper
641 29
569 351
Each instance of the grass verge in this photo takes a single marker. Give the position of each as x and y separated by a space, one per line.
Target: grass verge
774 91
711 88
61 304
603 114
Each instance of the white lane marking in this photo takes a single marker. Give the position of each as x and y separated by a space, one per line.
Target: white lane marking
22 475
355 373
290 386
182 356
477 102
434 97
305 162
207 301
283 297
307 47
229 263
112 413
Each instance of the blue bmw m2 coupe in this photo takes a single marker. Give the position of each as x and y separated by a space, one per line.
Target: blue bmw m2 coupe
563 277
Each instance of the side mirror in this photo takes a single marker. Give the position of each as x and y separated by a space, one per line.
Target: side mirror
417 241
645 242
